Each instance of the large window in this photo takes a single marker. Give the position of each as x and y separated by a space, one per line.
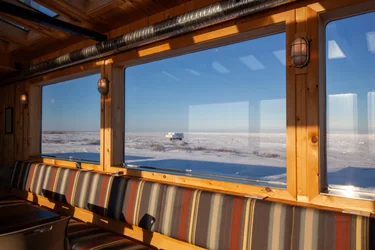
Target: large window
218 113
350 89
71 119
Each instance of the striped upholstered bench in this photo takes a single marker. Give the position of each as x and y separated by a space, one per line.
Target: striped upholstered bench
69 186
207 219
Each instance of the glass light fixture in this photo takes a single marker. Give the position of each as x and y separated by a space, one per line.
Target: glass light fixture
300 55
103 86
24 99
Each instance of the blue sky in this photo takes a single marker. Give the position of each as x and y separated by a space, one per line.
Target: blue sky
235 88
351 74
72 105
224 89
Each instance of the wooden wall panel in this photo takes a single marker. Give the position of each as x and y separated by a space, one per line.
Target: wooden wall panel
15 146
304 182
35 121
21 115
7 155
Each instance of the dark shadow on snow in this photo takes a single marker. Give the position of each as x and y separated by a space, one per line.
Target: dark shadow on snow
216 168
95 157
136 158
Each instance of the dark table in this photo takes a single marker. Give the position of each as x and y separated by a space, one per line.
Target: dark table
17 216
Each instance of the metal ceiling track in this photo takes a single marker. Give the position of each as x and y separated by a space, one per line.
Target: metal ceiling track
212 14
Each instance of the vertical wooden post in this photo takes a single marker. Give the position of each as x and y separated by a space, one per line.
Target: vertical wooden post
35 120
312 123
112 121
291 108
102 122
307 109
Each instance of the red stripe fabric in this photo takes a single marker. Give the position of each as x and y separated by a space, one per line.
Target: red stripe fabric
185 214
130 205
235 233
342 231
30 177
53 178
69 191
103 191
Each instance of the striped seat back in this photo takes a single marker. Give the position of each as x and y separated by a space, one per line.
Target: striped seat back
319 229
206 219
219 221
142 203
100 193
41 179
20 175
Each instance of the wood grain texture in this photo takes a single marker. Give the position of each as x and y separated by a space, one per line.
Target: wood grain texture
304 98
7 154
291 142
35 120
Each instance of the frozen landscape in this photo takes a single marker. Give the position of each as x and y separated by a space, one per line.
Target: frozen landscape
244 156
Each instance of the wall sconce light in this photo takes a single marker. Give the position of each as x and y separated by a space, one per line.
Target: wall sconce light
24 99
300 52
103 86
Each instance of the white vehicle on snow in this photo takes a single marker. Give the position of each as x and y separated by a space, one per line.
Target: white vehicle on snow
175 136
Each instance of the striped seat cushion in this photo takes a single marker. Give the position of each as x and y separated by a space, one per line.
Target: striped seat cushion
100 193
142 203
20 175
41 179
206 219
84 236
50 181
325 230
218 221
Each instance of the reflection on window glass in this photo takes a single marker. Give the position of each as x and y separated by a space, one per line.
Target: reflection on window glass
71 119
217 113
351 104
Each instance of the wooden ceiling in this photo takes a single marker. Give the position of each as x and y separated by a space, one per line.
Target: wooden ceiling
23 45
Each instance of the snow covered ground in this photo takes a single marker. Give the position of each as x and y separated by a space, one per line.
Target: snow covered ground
351 159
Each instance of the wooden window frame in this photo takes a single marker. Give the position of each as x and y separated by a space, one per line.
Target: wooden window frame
34 109
228 33
305 173
321 197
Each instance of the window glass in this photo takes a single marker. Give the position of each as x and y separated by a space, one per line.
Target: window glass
218 113
71 119
350 73
39 7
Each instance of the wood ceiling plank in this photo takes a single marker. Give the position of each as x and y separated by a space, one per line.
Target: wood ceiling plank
73 12
34 37
6 63
12 47
31 25
36 27
18 37
3 46
97 8
13 34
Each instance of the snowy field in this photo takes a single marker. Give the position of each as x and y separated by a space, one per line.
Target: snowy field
351 159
